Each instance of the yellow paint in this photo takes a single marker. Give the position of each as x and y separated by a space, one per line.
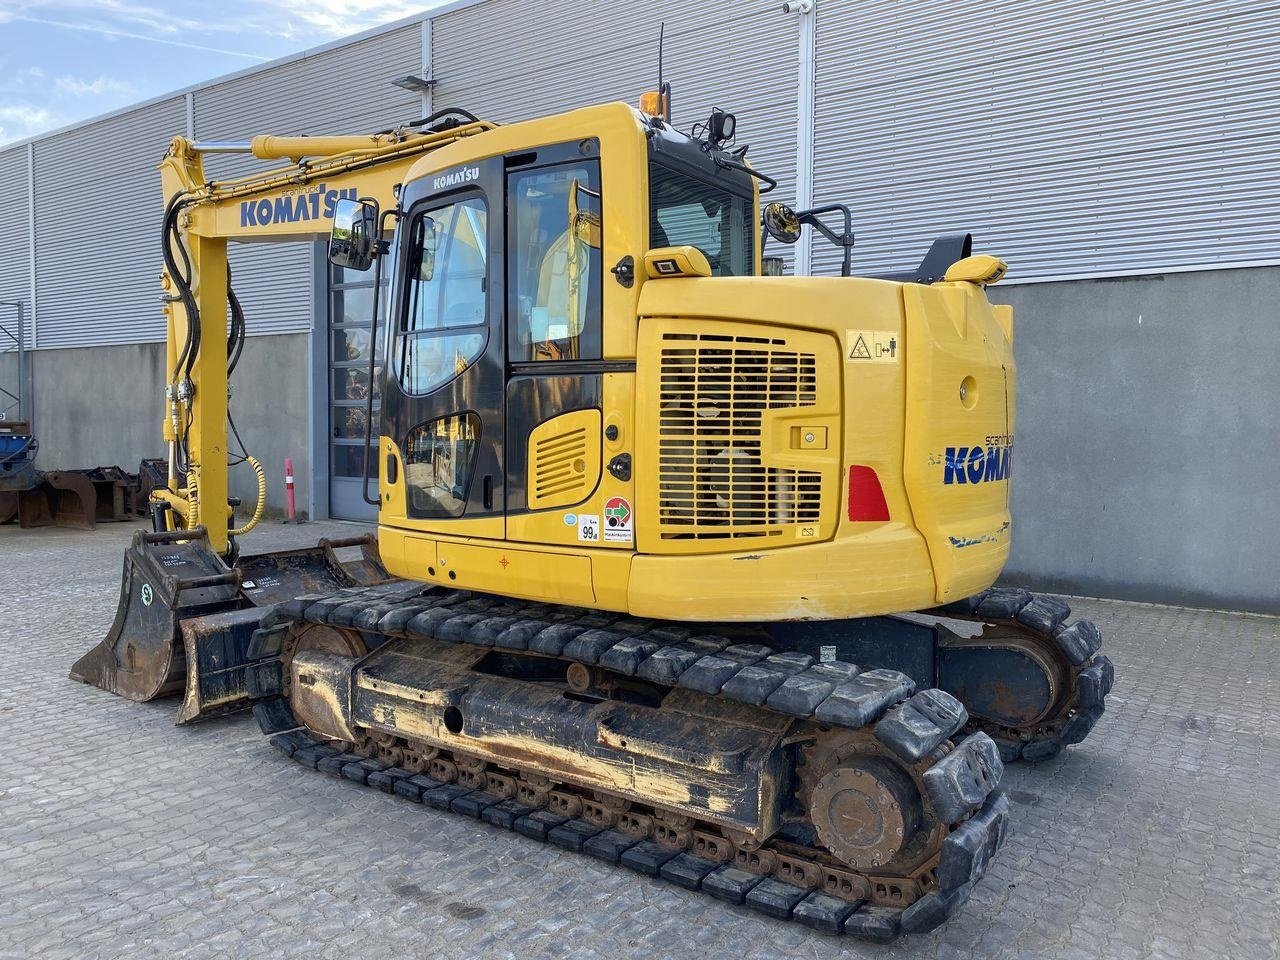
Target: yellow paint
980 269
563 460
895 411
664 263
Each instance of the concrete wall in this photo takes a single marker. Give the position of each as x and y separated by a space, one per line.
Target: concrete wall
1148 438
97 406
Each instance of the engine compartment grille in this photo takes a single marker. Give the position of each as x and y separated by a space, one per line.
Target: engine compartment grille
714 390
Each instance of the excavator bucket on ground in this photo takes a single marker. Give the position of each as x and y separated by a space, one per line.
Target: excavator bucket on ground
64 498
185 617
61 498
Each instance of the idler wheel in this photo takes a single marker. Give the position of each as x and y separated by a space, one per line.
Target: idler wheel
866 811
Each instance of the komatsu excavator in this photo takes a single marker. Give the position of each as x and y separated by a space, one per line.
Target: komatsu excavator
680 563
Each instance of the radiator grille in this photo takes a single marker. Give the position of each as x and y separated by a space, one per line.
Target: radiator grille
713 392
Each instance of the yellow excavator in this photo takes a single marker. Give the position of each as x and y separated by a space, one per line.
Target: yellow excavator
681 563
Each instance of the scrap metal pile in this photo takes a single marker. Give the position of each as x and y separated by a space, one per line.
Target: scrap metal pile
68 498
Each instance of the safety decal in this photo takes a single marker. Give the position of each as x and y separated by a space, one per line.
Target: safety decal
570 519
871 346
147 595
589 527
617 520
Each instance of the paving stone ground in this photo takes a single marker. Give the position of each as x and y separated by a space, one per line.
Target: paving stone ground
123 836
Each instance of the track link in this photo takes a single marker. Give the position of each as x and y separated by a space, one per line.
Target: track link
842 713
1042 622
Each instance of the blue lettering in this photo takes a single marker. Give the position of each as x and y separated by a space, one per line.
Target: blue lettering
994 467
300 209
264 212
314 203
283 210
976 463
330 200
247 218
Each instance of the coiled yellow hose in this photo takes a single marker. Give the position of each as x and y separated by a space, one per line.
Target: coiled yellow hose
262 499
193 501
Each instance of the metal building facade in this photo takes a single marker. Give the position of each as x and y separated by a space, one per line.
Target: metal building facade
1080 139
1083 140
15 236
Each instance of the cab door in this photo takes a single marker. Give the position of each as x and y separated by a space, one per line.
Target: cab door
556 374
444 402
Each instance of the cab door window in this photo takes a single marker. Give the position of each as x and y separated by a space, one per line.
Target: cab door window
555 269
443 326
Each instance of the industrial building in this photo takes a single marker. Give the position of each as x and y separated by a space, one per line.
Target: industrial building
1124 158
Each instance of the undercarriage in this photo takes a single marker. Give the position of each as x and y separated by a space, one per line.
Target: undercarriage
842 798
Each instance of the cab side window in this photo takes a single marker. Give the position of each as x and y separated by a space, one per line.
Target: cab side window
555 265
443 327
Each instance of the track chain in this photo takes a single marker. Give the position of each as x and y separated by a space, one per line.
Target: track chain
790 876
1078 646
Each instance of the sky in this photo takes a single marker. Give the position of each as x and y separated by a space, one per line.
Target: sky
62 61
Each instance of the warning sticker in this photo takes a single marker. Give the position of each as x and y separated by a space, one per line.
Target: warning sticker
589 527
871 346
617 520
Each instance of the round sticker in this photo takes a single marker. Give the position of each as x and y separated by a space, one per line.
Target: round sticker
570 519
147 595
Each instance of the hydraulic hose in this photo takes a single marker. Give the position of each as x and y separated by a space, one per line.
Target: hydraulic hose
262 499
193 501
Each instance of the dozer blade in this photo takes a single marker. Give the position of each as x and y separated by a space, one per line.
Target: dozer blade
185 619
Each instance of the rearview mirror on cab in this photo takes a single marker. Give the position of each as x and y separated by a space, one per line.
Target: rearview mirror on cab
353 242
781 222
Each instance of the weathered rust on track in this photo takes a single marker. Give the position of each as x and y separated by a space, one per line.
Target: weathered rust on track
1079 675
907 820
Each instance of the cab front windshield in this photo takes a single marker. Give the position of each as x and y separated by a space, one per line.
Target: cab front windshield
686 209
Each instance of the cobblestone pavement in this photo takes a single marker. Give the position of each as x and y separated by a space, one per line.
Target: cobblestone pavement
123 836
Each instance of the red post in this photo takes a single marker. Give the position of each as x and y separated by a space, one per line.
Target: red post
290 506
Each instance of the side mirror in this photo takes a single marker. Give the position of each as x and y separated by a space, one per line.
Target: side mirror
353 242
781 222
427 251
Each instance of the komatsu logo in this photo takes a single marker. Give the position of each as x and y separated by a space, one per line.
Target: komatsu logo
455 179
296 206
981 464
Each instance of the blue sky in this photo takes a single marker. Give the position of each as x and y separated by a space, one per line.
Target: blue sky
63 60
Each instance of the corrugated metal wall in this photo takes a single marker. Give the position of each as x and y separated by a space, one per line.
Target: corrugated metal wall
1076 138
98 213
15 237
511 60
347 90
1087 137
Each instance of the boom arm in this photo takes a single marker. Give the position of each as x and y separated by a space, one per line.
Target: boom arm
294 202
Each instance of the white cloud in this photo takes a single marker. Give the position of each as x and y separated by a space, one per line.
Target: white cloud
306 20
97 87
36 99
338 18
21 120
